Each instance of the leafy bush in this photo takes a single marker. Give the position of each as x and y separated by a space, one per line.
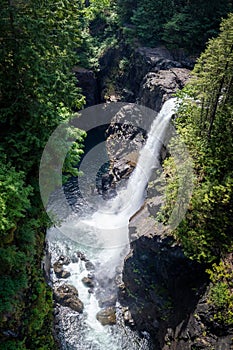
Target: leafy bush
221 291
14 200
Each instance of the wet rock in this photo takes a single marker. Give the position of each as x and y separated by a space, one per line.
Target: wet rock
79 255
89 266
59 271
128 317
65 291
88 282
58 268
107 316
106 182
67 295
122 169
75 258
64 260
65 274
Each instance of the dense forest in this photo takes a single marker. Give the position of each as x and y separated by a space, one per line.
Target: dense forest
179 23
206 124
40 43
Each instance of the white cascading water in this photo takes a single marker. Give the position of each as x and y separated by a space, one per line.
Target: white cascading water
105 241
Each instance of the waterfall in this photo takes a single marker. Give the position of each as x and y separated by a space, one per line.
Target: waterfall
105 242
115 215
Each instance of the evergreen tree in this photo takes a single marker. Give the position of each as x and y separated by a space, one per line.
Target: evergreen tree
205 124
39 41
184 24
38 89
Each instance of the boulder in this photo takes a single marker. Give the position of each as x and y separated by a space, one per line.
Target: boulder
78 255
65 274
89 266
107 316
67 295
59 271
82 256
64 260
128 317
88 282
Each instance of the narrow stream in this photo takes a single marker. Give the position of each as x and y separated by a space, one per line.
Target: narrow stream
105 233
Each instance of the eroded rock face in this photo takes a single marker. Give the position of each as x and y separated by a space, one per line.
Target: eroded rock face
154 60
67 295
154 76
161 286
107 316
167 295
126 136
158 87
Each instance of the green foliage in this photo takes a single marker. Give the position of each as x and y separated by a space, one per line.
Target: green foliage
13 201
205 126
204 123
220 294
181 30
38 53
178 24
149 17
13 345
171 192
40 44
103 27
126 9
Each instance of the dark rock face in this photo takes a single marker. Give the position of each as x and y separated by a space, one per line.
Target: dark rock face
154 60
152 78
107 316
67 295
157 87
87 81
167 295
126 135
150 60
